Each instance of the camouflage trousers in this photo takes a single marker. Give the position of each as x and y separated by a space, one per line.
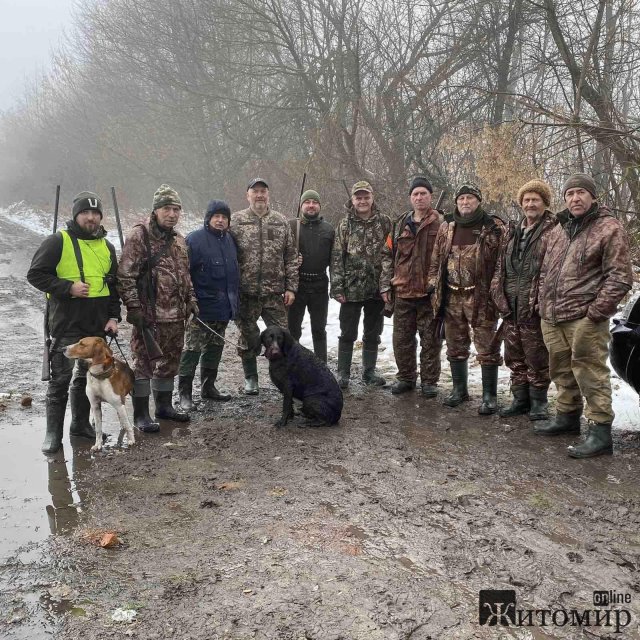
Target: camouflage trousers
457 329
411 316
202 346
169 336
526 354
578 352
268 307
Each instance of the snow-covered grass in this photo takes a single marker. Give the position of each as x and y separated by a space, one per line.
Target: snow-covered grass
625 400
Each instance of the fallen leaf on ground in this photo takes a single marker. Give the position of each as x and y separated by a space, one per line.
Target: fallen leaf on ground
231 485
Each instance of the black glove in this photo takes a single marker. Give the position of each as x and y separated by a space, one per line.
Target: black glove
192 308
135 317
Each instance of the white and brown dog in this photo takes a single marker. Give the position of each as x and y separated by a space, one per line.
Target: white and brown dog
108 380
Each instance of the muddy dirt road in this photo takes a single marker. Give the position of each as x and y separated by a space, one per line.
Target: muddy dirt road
384 528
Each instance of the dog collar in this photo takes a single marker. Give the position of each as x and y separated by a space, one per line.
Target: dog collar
104 375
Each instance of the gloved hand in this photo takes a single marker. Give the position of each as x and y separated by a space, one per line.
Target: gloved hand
192 308
135 317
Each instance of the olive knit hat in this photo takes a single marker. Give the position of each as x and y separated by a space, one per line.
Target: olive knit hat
310 194
536 186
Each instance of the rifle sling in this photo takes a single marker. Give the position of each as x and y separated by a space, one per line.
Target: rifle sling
152 261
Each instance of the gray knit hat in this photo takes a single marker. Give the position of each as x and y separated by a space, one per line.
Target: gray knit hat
580 181
165 195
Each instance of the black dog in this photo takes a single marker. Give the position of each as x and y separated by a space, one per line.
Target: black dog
299 374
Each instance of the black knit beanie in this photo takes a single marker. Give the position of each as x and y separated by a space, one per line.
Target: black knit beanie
86 201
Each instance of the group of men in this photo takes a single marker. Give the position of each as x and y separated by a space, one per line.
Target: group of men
555 281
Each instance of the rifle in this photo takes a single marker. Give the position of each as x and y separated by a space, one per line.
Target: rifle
46 354
439 324
117 213
304 179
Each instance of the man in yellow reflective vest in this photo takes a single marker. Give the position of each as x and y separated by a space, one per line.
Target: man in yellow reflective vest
76 268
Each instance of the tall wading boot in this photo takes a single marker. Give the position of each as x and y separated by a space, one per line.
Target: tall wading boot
598 442
369 374
520 403
185 393
562 423
80 413
55 427
345 356
459 377
250 368
141 419
489 390
539 404
320 349
164 407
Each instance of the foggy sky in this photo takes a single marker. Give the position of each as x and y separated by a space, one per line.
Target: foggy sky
29 29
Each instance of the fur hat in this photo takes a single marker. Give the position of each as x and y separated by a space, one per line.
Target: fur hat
420 181
580 181
469 188
86 201
164 196
536 186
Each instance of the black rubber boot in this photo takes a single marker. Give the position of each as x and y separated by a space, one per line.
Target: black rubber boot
520 404
164 407
429 390
141 419
80 413
185 393
250 368
369 374
208 388
320 349
55 428
539 405
402 386
459 377
489 390
597 443
345 356
562 423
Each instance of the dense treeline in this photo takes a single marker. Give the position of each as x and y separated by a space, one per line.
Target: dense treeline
206 93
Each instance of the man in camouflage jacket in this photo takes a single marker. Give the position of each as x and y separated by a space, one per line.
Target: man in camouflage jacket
268 274
355 281
585 273
515 292
155 285
462 266
404 281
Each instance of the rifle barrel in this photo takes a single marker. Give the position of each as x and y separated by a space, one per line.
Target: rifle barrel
117 214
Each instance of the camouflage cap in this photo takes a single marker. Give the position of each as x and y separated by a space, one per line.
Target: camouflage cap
362 185
471 189
164 196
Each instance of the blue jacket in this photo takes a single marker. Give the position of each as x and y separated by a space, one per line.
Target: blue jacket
215 274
